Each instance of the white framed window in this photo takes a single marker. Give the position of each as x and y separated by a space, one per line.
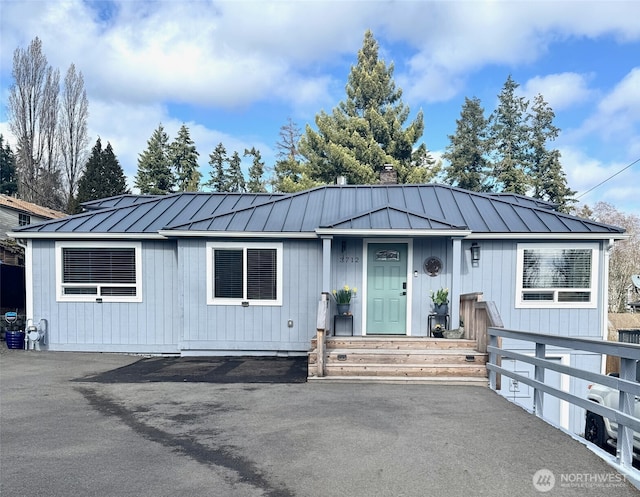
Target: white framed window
98 271
248 273
557 275
24 219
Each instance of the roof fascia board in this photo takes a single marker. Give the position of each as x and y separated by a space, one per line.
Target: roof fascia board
236 234
53 235
548 236
391 232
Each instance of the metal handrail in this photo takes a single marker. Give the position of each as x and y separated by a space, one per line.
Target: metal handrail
626 384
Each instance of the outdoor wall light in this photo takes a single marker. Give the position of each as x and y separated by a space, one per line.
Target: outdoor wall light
475 253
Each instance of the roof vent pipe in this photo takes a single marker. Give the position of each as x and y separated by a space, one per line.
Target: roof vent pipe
341 180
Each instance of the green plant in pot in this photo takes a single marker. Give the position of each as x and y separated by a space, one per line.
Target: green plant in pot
440 300
343 298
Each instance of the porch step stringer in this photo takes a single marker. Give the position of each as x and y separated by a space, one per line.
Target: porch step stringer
400 360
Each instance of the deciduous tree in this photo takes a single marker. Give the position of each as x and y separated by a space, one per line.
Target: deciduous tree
291 172
72 127
624 259
33 114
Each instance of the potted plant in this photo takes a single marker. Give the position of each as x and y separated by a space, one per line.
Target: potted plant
438 331
440 300
343 298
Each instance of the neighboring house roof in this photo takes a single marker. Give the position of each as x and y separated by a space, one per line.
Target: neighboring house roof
29 208
365 209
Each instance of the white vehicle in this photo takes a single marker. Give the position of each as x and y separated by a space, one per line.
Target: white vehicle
602 431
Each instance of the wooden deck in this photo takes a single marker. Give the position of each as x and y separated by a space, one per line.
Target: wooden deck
400 360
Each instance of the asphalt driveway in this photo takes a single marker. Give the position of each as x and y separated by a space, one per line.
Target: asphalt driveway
68 427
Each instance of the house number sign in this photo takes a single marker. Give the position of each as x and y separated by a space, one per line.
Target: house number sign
348 259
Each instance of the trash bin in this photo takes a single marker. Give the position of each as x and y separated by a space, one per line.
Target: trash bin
15 339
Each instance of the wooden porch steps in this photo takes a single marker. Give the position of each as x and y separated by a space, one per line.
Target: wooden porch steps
400 359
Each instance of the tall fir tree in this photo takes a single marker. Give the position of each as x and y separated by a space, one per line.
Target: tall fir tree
548 178
235 177
183 157
467 149
255 184
509 142
367 130
154 176
218 174
8 177
103 176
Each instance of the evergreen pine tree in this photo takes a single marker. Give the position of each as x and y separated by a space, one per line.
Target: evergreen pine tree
154 174
103 176
509 142
183 157
218 176
255 184
8 178
235 178
548 178
365 131
467 148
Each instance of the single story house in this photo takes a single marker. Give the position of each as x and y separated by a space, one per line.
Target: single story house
240 273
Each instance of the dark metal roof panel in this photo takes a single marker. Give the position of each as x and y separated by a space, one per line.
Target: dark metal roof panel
406 206
118 201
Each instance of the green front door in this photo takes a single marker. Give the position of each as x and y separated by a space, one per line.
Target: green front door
387 289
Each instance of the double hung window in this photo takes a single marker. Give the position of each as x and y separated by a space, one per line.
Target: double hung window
249 272
556 275
110 272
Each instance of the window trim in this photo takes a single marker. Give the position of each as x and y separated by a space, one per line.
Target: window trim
555 304
211 246
62 297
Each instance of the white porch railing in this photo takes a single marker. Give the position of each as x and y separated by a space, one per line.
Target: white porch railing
629 389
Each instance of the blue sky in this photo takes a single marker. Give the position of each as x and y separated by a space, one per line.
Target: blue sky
235 71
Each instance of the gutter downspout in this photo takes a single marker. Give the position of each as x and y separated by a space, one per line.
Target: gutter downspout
28 274
604 276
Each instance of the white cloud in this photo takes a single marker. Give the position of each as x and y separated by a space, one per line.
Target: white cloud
584 173
560 91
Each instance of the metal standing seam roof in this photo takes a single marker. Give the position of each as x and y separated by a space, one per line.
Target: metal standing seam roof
147 217
357 207
349 205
